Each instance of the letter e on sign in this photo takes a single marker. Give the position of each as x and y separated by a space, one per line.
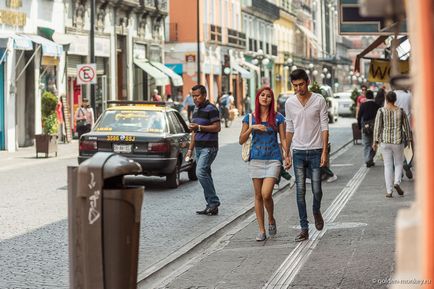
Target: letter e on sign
86 74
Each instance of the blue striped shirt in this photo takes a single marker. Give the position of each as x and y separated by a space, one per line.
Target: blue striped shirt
206 114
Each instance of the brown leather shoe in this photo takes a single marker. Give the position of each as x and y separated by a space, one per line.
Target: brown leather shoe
399 190
319 221
302 236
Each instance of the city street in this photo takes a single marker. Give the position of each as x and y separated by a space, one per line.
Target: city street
33 236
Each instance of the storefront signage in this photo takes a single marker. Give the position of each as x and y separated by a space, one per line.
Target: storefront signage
190 58
50 61
379 70
12 18
140 51
86 74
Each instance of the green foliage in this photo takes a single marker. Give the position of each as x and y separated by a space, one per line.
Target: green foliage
48 111
48 104
354 94
314 87
49 124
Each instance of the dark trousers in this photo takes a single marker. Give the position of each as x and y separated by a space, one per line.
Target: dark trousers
81 129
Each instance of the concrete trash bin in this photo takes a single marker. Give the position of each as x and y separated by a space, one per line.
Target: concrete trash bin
104 223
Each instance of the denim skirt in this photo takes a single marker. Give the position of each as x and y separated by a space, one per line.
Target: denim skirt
260 169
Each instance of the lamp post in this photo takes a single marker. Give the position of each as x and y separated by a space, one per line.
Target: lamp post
262 60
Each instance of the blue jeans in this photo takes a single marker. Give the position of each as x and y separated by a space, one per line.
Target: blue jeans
204 158
368 152
307 160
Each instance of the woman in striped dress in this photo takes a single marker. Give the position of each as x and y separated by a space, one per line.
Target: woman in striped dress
392 131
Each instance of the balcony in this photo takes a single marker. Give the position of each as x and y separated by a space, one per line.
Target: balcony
236 38
162 6
125 3
270 10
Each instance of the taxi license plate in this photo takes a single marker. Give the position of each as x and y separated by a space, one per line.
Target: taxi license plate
121 148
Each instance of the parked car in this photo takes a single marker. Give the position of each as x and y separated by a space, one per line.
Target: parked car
332 104
345 102
152 134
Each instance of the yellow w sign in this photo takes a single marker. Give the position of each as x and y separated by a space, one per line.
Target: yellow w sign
379 69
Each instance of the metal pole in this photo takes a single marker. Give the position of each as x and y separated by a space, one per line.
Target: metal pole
198 42
92 50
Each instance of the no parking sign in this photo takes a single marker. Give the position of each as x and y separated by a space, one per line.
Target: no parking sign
86 73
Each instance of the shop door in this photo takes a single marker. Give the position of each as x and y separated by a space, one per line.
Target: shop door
2 109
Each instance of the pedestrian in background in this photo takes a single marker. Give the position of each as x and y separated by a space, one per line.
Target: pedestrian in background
188 104
391 131
366 121
156 96
403 100
380 97
361 99
265 155
84 118
206 126
307 132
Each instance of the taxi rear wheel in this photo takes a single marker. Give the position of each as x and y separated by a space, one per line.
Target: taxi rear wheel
172 179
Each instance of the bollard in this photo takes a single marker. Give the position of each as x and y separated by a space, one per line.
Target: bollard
103 223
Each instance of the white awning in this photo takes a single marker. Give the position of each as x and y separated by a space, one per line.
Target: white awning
49 48
161 79
244 73
20 42
176 79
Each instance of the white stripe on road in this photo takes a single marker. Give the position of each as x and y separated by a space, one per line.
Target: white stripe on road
287 271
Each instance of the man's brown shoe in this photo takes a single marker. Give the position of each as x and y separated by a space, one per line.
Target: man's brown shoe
399 190
302 236
319 221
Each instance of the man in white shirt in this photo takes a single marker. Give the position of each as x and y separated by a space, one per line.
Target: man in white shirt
403 100
307 132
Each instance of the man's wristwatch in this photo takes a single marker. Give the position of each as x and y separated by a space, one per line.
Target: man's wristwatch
198 128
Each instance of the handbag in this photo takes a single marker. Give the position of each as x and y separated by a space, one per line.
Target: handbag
245 148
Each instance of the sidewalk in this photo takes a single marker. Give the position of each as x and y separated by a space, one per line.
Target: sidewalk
27 155
356 248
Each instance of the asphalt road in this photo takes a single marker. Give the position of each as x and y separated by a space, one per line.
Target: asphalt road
33 212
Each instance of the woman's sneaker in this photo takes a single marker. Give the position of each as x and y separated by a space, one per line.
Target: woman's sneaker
261 237
272 229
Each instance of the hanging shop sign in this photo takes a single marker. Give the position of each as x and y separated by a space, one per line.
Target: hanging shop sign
13 18
379 69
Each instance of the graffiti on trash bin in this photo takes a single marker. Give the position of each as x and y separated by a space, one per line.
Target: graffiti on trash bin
94 214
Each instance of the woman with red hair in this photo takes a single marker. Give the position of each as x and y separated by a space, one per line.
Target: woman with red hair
265 155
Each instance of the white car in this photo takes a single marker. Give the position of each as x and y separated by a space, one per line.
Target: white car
345 103
332 104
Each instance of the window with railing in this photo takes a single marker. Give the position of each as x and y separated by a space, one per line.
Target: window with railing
237 38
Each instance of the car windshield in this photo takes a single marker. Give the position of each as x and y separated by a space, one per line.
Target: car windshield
132 121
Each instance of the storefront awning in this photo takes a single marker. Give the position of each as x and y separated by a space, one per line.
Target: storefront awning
49 48
176 79
161 79
244 73
20 43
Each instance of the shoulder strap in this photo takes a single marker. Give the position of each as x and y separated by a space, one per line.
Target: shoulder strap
250 119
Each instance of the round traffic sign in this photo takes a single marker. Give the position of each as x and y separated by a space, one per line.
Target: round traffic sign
86 74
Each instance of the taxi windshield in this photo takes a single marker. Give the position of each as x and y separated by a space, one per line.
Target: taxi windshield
132 121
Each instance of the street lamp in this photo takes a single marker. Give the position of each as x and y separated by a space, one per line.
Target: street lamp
262 60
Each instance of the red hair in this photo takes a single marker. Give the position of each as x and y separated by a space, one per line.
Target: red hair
271 120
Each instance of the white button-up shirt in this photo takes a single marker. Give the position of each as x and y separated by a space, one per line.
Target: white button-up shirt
306 122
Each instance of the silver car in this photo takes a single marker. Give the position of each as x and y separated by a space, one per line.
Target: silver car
345 103
332 104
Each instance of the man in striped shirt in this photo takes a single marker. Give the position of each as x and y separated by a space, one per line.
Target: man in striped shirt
205 126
